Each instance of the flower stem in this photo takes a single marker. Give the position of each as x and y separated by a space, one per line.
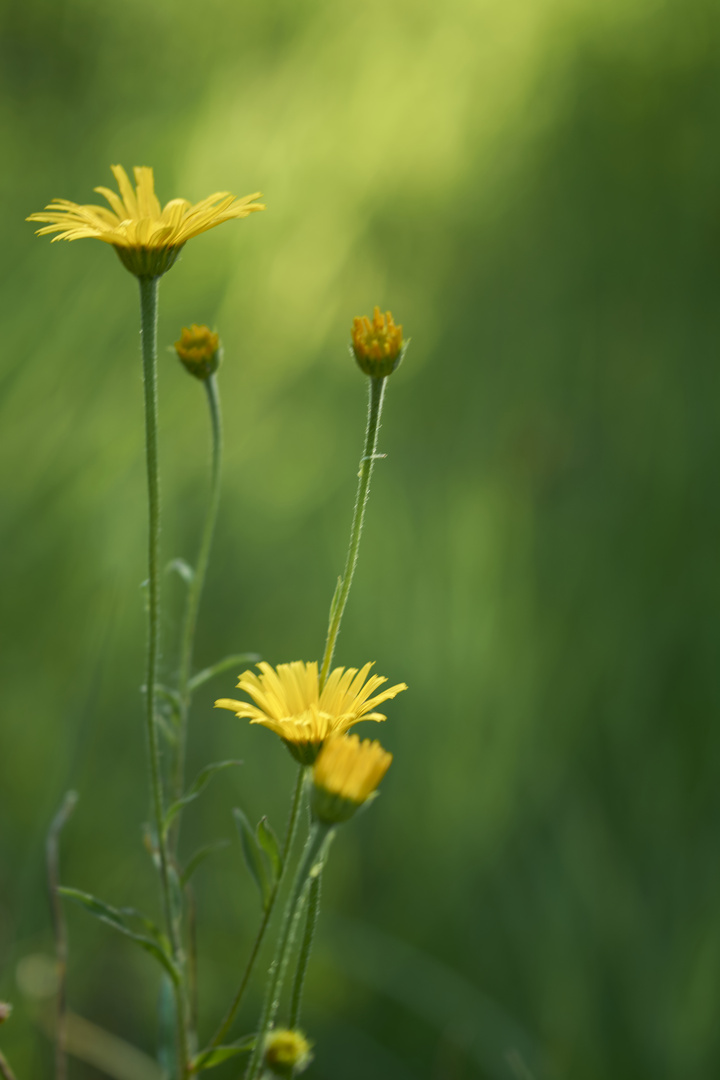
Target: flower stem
267 914
59 929
367 461
5 1070
311 918
195 587
291 916
148 314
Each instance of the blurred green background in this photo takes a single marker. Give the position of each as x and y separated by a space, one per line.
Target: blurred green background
533 188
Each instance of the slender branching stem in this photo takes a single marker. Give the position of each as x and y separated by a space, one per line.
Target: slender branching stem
148 313
59 930
311 917
367 461
195 588
5 1070
267 914
291 916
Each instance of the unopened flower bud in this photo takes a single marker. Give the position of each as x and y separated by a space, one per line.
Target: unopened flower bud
199 350
377 344
346 775
5 1010
287 1052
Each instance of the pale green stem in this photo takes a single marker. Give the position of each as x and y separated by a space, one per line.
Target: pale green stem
259 937
311 918
195 588
148 311
5 1070
52 857
367 462
293 910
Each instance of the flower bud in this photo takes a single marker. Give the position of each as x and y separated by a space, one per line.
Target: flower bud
5 1010
377 345
199 350
286 1052
345 776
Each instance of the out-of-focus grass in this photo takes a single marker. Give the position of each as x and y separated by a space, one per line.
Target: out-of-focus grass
532 188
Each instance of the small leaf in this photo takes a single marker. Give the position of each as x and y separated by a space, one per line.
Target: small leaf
114 917
335 599
269 843
207 1059
167 1029
222 665
197 786
200 855
182 568
253 856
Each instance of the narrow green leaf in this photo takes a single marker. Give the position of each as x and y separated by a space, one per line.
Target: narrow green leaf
199 856
335 599
222 665
270 845
253 856
167 1029
114 917
182 568
207 1059
198 784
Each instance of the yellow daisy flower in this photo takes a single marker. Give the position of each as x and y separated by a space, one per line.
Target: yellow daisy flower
147 237
288 700
346 774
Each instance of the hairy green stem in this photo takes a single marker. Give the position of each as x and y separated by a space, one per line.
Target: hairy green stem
311 918
291 916
5 1070
259 937
52 857
148 313
367 462
195 588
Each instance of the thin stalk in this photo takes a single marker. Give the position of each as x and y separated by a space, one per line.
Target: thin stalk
367 462
59 930
148 315
276 975
311 918
289 837
195 588
5 1070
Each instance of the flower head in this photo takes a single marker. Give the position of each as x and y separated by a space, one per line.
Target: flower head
288 700
199 350
378 346
346 774
287 1051
147 237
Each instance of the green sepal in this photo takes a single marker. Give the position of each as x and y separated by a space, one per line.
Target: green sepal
199 857
253 856
269 843
195 789
115 917
222 665
207 1059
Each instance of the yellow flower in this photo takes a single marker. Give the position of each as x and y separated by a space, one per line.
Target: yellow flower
378 345
199 350
147 237
287 1051
346 774
288 700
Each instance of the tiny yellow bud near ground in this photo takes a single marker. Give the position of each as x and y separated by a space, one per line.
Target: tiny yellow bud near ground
346 774
199 350
377 344
287 1052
